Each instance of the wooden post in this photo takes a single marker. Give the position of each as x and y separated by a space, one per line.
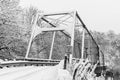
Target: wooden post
51 50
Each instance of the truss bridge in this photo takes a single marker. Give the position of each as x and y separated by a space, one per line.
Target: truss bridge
65 44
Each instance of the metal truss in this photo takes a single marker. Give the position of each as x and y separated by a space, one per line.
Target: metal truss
65 22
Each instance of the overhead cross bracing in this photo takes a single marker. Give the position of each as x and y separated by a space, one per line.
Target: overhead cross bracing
69 24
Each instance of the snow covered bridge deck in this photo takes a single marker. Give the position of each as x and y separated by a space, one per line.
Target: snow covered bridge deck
35 73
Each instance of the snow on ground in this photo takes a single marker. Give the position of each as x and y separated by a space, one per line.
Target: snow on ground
35 73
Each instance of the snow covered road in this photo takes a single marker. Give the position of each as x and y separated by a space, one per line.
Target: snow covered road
35 73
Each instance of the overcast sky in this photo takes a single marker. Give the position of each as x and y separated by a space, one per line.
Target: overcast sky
99 15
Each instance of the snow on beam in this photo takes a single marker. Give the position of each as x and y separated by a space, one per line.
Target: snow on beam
52 29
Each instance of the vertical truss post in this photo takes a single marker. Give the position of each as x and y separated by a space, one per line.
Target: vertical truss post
72 36
83 42
31 38
29 46
52 45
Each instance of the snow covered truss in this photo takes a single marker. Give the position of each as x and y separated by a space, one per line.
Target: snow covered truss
66 23
82 52
81 46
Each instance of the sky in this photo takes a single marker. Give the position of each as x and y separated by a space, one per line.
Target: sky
98 15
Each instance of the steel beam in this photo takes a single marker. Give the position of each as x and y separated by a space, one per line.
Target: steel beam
84 26
55 26
83 43
52 45
31 38
55 14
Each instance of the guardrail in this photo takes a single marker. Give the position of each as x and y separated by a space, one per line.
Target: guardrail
29 62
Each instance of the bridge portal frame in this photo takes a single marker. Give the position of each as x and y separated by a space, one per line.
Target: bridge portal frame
77 22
